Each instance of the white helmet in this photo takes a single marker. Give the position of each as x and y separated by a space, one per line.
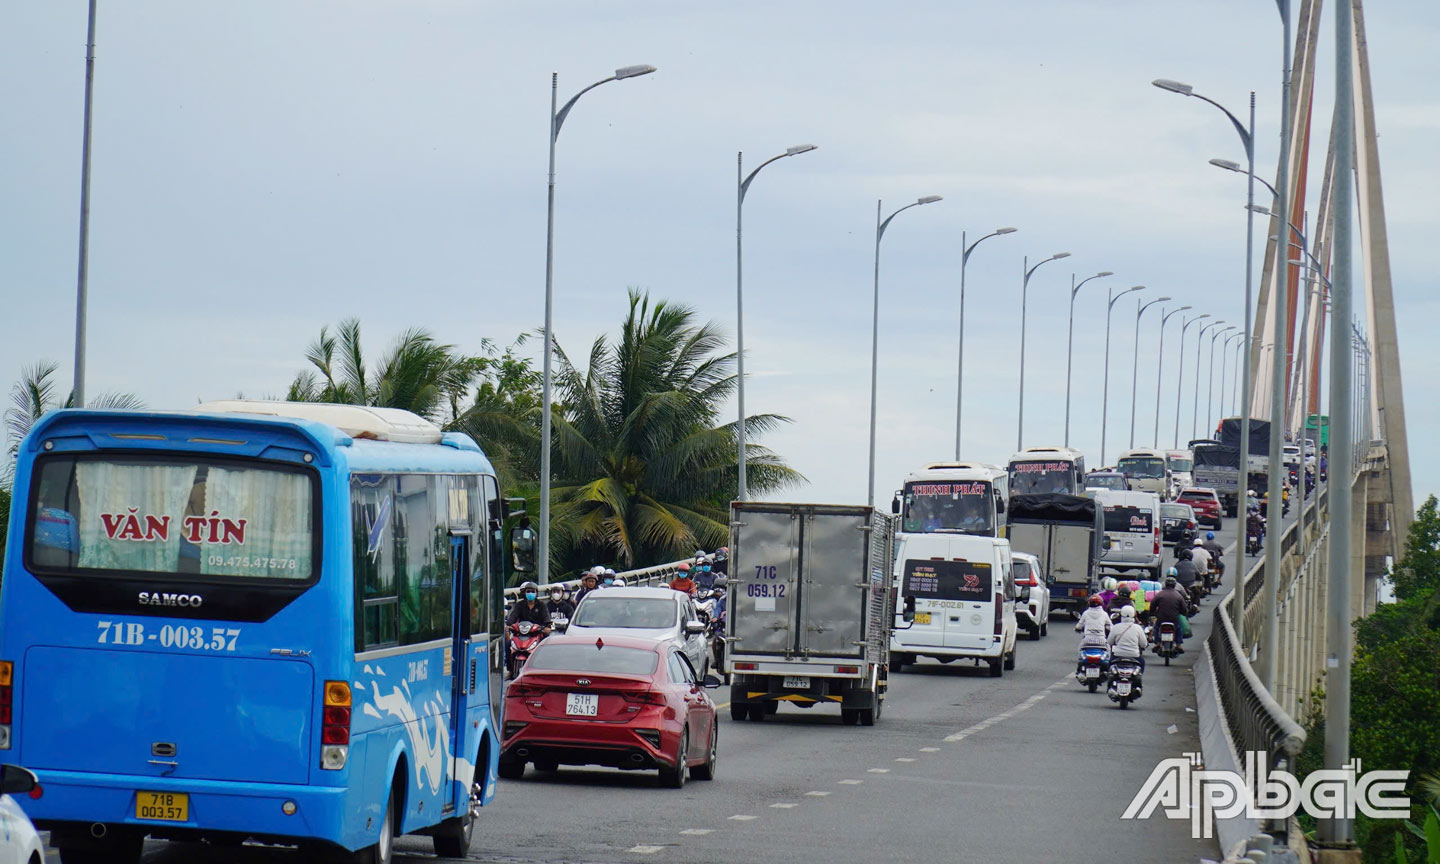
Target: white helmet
1199 542
1127 614
619 583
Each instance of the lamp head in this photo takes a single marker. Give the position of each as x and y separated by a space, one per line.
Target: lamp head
801 148
929 199
1161 299
1102 273
1260 208
1006 230
1227 165
1173 86
1059 255
633 71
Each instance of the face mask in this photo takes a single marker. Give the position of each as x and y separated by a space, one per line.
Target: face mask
556 597
609 581
530 595
705 569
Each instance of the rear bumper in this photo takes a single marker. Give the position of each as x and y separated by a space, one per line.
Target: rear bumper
565 743
991 651
73 801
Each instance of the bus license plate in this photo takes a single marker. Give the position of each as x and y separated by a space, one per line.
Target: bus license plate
582 704
793 683
162 806
922 617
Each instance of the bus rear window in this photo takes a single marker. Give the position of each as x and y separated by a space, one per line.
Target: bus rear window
1128 520
948 580
107 516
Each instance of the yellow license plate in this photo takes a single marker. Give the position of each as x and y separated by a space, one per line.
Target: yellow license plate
162 806
922 617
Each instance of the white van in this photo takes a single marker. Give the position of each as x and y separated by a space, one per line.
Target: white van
1148 470
1132 531
956 600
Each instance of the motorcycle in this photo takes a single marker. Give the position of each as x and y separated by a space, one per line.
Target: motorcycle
1093 668
1166 645
524 636
716 635
1124 681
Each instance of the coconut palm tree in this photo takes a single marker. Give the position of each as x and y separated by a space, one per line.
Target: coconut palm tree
643 473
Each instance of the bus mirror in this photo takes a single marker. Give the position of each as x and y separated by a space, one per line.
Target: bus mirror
522 546
895 504
999 504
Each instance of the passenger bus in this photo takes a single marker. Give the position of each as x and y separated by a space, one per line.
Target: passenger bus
266 620
1148 470
1038 470
954 497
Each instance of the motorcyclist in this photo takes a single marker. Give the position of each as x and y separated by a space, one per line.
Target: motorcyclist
559 606
704 579
1127 639
1184 569
1255 527
682 582
1168 605
1217 561
588 583
607 578
529 608
1093 627
1107 592
1201 558
722 561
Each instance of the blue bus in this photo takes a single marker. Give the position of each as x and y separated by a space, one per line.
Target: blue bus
263 620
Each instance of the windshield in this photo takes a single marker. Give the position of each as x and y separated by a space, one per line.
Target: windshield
1127 520
948 580
1179 463
963 507
107 516
1106 481
1176 511
587 658
646 613
1033 478
1144 467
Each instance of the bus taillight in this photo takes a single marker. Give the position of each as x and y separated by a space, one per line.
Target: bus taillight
335 727
7 672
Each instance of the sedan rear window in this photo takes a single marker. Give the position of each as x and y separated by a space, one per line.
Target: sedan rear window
646 613
588 658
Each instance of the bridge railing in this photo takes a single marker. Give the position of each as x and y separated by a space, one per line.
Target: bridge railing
660 574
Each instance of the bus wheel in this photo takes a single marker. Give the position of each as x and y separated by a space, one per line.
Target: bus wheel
384 849
452 836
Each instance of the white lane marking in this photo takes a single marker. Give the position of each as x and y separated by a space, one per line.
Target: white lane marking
817 794
1006 715
878 770
849 782
644 850
696 832
785 805
929 749
904 759
739 818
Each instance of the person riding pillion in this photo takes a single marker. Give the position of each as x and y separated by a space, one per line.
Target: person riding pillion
1201 557
682 582
1127 639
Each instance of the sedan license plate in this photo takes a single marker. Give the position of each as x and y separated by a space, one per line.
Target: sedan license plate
162 806
793 683
922 617
582 704
1092 672
1123 688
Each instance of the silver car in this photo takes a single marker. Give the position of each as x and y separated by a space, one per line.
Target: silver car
653 613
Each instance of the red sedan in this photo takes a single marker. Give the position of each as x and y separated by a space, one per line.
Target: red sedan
1205 503
620 701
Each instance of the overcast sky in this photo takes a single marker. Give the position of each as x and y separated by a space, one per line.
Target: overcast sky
266 167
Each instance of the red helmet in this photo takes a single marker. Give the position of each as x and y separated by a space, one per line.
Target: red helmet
1094 600
684 567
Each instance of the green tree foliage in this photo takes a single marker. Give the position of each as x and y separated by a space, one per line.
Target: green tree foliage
642 470
1418 573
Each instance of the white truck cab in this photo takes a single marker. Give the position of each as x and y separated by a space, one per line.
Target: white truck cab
957 599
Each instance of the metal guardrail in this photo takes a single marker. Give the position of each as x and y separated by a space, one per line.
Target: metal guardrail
660 574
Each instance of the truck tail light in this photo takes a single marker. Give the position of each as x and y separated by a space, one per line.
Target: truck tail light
745 667
335 726
847 670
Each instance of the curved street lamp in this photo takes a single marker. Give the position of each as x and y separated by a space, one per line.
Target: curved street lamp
1024 294
1135 366
1160 368
557 119
1105 398
1210 396
880 227
960 375
743 186
1180 378
1070 342
1195 408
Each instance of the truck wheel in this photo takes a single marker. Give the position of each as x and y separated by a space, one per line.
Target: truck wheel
995 668
868 716
849 716
757 711
1010 659
771 707
739 710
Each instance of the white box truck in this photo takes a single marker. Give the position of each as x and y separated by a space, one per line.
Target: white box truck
1065 532
809 608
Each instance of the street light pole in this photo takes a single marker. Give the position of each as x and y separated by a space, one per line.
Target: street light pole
1105 398
1210 398
1180 378
1024 295
1135 366
743 186
875 329
1160 370
1070 343
1195 408
960 374
82 279
557 119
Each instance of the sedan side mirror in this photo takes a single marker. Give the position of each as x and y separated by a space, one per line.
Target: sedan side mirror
14 780
694 628
711 682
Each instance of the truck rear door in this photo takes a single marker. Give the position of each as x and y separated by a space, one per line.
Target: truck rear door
834 584
765 569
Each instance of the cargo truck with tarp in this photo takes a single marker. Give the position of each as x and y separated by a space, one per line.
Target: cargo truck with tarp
1066 533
